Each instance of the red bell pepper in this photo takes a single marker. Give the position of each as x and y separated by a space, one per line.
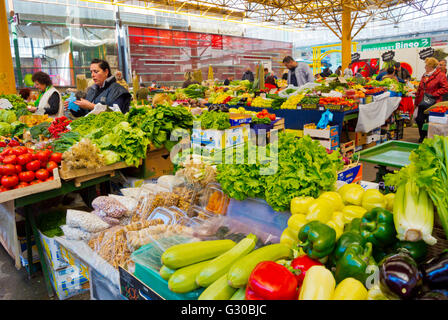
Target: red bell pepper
300 266
271 281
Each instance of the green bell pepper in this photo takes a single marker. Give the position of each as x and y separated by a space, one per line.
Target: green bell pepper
344 241
354 262
418 249
377 227
354 226
318 239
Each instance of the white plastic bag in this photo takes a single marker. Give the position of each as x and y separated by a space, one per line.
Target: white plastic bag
72 233
85 220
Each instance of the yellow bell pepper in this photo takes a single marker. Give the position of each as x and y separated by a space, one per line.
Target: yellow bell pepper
373 198
287 238
352 212
390 198
337 223
300 205
320 210
351 193
318 284
350 289
295 223
335 199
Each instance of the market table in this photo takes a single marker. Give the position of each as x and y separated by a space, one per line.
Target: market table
296 119
389 154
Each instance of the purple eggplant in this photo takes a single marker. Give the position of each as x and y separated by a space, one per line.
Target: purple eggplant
400 276
435 271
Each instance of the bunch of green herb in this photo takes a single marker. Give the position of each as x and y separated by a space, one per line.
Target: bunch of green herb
40 129
214 120
65 141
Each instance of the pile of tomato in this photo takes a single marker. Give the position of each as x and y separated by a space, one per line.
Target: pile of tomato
375 90
265 114
21 166
336 101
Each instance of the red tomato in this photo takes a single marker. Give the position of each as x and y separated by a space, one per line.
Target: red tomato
51 165
13 143
56 157
2 189
33 165
18 168
42 174
12 159
23 159
30 150
26 176
34 155
272 117
49 179
35 182
9 181
22 185
8 169
1 158
42 155
2 144
19 150
43 164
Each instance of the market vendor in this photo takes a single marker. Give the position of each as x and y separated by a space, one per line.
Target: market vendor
434 84
49 100
401 72
105 91
189 80
269 83
120 80
390 74
299 73
248 75
228 80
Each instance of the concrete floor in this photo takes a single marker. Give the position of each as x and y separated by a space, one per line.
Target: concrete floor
15 284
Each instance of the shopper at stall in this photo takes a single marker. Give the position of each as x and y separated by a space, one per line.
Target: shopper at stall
285 74
390 74
348 73
49 100
299 73
338 71
270 83
228 80
433 86
120 80
401 72
326 73
248 75
189 80
105 90
25 93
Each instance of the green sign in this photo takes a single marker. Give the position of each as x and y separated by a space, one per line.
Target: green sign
394 45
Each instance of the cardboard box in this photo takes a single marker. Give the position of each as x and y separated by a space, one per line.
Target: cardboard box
237 119
370 145
157 163
214 140
373 138
52 250
68 282
438 119
352 174
331 144
321 133
359 137
72 260
437 129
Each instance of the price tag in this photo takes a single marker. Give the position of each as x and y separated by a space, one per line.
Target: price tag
299 107
321 108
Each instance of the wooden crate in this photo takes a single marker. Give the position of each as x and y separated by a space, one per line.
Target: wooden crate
76 173
35 188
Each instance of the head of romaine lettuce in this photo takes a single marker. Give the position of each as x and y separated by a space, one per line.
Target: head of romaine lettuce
5 128
110 157
7 116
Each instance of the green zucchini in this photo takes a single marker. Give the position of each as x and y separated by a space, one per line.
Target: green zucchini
239 272
166 272
221 264
183 280
218 290
184 254
240 294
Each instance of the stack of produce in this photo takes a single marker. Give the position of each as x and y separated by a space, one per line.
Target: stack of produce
292 101
214 120
263 117
18 104
21 166
260 102
195 91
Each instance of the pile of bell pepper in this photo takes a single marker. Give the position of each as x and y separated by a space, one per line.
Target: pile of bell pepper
336 101
331 263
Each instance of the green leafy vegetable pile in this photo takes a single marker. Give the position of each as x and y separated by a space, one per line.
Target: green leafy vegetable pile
66 140
304 169
96 126
214 120
18 104
40 129
195 91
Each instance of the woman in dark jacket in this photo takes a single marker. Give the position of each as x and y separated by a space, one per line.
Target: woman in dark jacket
434 83
105 91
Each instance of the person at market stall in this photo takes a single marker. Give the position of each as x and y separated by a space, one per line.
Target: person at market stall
105 90
120 80
248 75
189 80
285 74
299 73
338 71
348 73
326 73
270 83
401 72
25 93
390 74
228 80
442 67
433 83
49 100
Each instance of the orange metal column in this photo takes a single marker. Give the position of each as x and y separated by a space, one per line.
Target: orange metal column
7 79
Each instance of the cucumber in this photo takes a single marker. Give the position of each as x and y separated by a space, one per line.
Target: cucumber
239 272
183 280
218 290
184 254
221 264
166 272
240 294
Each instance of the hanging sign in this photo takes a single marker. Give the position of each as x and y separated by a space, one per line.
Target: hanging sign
355 57
426 53
388 56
